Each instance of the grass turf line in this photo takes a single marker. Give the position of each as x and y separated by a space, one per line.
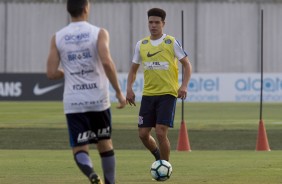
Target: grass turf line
211 126
197 167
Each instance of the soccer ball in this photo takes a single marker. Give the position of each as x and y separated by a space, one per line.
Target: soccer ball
161 170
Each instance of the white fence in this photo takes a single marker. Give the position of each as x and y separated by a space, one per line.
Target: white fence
219 36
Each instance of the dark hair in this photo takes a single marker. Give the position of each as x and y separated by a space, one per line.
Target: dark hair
75 7
157 12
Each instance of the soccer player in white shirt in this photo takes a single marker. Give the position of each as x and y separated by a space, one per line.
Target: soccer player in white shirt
82 50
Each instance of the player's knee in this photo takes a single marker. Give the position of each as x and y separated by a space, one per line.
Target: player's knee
104 145
84 148
144 136
161 132
161 136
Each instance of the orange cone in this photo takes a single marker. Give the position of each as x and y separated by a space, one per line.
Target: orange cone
183 140
262 141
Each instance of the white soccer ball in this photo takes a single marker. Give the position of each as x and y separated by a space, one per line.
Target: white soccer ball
161 170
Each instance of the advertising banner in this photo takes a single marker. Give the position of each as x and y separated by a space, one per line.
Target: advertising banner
30 87
235 87
222 87
215 87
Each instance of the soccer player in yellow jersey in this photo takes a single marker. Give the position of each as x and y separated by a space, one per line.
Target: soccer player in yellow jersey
159 54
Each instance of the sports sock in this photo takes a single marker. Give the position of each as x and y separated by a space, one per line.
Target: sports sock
84 163
108 165
156 153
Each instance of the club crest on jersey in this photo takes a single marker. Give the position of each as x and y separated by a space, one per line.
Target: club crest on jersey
168 41
145 41
140 122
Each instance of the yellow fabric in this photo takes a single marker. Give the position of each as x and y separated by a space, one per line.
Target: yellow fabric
160 67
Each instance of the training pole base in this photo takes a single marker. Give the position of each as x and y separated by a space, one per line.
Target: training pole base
262 141
183 139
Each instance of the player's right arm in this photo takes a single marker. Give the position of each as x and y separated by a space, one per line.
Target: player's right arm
53 62
130 95
109 66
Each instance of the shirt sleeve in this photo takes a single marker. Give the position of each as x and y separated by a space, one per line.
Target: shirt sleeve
136 57
178 50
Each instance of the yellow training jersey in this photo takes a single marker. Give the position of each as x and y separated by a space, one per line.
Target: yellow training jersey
160 67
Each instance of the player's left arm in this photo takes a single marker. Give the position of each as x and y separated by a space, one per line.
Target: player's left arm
109 66
53 62
187 68
187 71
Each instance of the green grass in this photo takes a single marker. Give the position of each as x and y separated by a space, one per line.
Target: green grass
197 167
211 126
34 145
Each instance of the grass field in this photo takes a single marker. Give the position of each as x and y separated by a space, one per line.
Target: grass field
34 145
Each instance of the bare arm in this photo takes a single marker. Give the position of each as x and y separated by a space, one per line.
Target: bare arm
187 71
109 66
53 62
130 95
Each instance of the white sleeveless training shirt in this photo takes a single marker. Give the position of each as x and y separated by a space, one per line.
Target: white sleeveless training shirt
86 84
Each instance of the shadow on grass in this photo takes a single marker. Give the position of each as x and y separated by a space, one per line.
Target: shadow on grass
42 138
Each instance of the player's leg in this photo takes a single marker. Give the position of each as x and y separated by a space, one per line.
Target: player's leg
149 142
147 120
165 110
83 161
80 136
164 144
106 151
102 126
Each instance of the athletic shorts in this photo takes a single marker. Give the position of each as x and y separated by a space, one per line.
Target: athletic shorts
89 127
157 109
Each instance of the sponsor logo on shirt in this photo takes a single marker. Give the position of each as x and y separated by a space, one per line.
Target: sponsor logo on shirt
156 65
84 86
150 55
77 37
79 55
82 72
86 103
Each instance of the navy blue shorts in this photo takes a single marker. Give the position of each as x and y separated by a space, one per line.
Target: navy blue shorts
157 109
89 127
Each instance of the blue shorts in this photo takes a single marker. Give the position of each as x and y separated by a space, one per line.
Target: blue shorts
157 110
89 127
